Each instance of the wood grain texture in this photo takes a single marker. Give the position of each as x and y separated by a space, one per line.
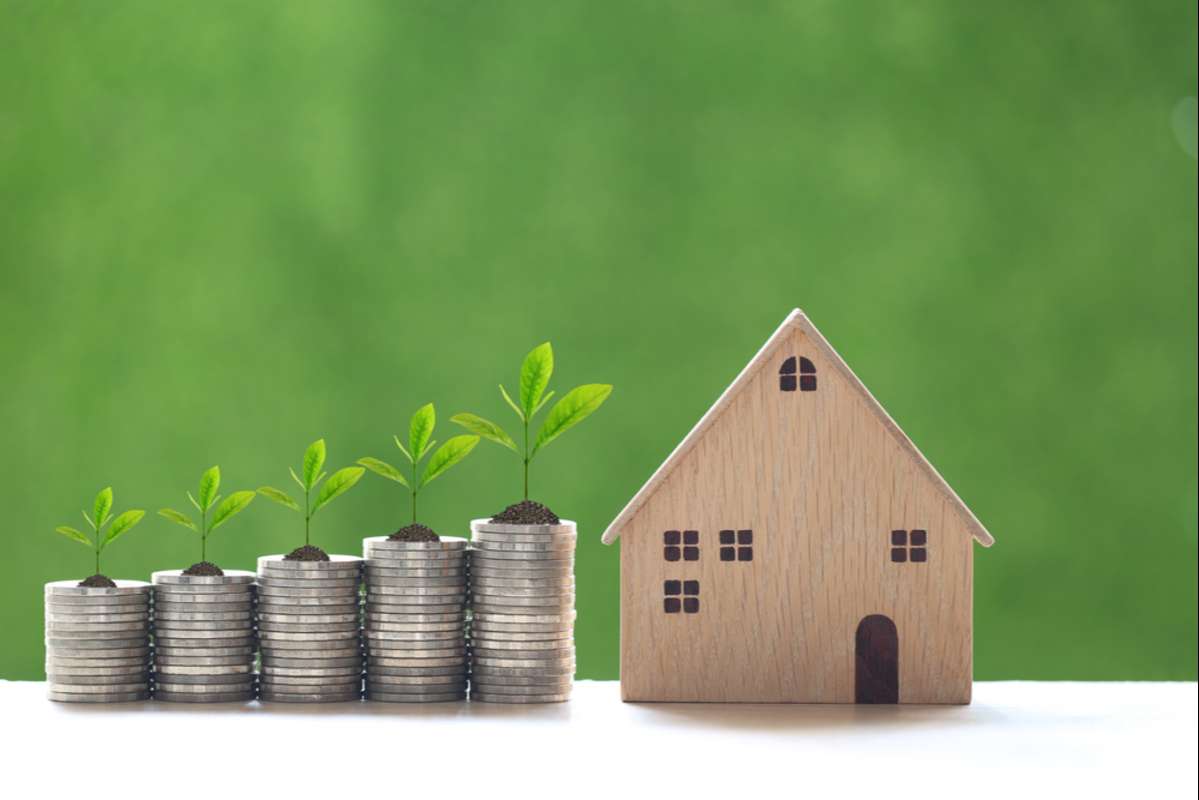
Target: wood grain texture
822 480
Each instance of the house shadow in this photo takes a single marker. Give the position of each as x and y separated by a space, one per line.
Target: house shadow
794 717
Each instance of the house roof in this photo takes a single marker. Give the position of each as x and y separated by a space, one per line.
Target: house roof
795 320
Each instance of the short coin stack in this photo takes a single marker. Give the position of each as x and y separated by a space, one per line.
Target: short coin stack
98 642
522 598
415 620
204 638
310 629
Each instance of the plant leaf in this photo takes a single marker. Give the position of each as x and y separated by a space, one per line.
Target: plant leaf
101 506
338 484
178 518
544 400
233 504
279 496
403 449
573 408
122 524
314 459
420 428
88 519
75 535
512 403
454 450
210 481
535 375
383 468
488 430
296 478
193 502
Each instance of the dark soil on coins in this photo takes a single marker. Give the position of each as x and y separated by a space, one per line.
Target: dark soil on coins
527 512
308 552
415 533
98 581
204 569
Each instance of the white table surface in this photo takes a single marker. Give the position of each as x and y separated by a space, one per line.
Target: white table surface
1035 739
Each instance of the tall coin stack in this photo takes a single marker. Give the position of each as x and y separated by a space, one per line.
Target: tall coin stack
310 629
522 599
415 620
98 642
204 638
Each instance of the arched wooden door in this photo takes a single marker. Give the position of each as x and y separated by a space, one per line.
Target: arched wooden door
876 678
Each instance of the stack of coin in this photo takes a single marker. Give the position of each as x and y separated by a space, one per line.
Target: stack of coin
415 620
204 638
522 599
310 629
98 642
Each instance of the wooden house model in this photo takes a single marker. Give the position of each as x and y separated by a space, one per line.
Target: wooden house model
796 547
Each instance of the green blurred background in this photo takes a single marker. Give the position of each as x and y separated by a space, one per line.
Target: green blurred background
229 228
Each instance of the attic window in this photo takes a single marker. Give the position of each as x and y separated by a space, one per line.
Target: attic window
909 546
689 549
737 545
805 380
680 596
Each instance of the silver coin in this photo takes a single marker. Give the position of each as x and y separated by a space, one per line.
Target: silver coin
310 697
142 648
412 559
428 638
487 590
388 697
553 584
189 590
272 594
526 663
172 627
312 663
277 611
114 697
478 526
107 688
312 683
74 645
311 627
455 571
204 602
403 590
215 651
329 657
167 615
522 633
97 627
162 661
137 667
89 665
335 563
484 535
542 672
479 653
519 698
243 668
516 610
550 602
557 574
488 643
179 687
312 672
73 589
458 627
83 604
384 662
508 559
348 584
315 619
417 691
526 691
443 618
168 610
527 681
454 670
315 635
446 544
220 697
531 618
214 637
401 586
383 680
543 548
433 606
232 577
140 616
411 653
58 680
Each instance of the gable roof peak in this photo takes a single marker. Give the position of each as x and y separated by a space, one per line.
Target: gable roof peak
796 319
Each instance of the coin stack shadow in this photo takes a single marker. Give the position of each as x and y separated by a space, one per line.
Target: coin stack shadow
415 620
98 642
204 640
310 629
522 612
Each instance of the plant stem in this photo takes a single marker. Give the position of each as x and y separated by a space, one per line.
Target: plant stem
203 534
307 515
414 490
526 456
97 551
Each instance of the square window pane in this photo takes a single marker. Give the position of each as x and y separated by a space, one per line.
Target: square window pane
745 554
670 537
671 605
671 553
899 555
691 605
726 537
919 554
787 383
728 554
690 537
745 537
919 538
672 587
807 383
690 587
899 538
691 554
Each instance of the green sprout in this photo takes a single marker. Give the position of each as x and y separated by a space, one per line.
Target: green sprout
208 497
574 407
420 444
338 484
105 529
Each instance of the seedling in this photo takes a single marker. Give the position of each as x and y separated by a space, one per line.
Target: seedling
210 483
574 407
420 444
105 531
338 484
